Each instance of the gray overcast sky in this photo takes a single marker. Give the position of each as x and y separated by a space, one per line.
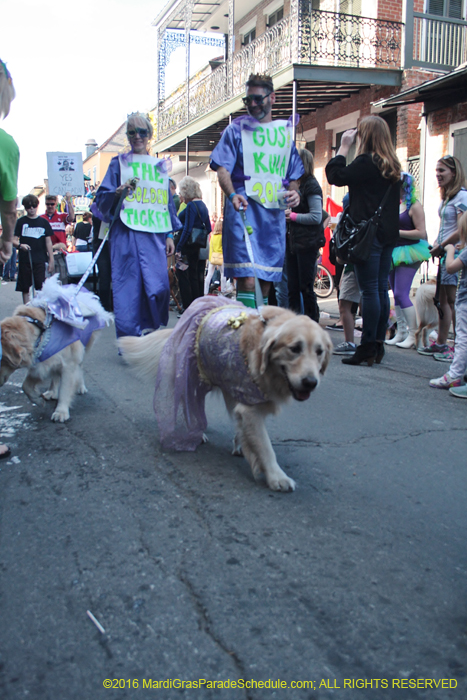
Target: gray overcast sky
78 69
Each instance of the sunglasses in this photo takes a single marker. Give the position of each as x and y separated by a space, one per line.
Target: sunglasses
131 133
450 162
50 204
259 99
32 206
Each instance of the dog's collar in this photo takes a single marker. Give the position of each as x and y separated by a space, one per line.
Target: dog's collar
37 323
44 334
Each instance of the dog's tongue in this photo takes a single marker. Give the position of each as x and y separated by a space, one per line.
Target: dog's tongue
302 395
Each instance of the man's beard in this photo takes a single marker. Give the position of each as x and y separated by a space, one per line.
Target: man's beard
265 109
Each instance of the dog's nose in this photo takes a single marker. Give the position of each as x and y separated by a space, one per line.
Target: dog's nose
309 383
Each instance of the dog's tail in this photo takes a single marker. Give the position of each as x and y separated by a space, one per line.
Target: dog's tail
144 353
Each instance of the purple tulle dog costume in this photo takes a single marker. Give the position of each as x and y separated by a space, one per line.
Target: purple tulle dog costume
203 352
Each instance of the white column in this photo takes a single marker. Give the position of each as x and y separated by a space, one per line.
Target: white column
188 16
231 48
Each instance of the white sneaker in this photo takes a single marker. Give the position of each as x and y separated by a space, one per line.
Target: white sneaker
446 382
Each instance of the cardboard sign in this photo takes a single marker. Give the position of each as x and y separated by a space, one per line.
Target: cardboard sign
147 207
65 173
266 155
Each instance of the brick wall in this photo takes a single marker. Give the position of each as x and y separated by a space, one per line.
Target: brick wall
408 119
409 116
390 10
324 137
440 121
261 19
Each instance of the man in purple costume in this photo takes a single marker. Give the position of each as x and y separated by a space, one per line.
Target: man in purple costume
142 237
268 238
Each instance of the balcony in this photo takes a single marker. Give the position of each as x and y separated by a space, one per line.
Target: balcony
331 54
439 42
311 38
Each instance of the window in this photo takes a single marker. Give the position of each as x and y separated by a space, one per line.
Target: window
391 120
351 7
275 17
249 36
310 146
94 175
445 8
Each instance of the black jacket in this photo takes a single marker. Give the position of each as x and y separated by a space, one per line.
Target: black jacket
367 188
305 236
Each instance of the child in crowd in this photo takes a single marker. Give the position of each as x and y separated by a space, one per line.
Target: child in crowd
33 239
453 379
216 258
349 300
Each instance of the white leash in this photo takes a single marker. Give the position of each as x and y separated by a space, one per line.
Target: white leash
123 195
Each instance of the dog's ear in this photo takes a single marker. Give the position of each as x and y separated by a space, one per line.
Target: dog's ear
17 346
328 347
265 352
268 340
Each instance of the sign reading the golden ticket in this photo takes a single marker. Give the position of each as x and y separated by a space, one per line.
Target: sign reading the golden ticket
147 207
266 155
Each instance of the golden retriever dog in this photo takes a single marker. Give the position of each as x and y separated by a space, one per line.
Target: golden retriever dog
57 378
427 313
258 361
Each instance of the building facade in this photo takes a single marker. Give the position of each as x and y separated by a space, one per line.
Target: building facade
332 61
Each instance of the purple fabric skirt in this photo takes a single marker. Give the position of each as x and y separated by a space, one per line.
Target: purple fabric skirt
140 281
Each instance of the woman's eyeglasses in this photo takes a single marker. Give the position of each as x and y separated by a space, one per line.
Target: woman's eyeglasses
259 99
131 133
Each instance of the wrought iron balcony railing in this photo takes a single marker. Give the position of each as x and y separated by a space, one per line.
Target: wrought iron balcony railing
306 36
336 39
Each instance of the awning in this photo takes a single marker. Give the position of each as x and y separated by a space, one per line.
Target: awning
447 90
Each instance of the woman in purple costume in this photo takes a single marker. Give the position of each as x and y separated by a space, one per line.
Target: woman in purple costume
410 251
138 259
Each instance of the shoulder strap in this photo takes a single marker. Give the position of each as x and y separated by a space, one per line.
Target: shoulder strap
380 208
202 221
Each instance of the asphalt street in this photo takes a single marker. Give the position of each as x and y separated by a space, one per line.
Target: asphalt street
353 587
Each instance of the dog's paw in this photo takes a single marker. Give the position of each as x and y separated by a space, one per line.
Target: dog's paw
237 448
205 438
50 395
61 416
82 390
281 482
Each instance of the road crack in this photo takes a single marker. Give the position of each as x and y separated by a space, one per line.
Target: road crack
206 625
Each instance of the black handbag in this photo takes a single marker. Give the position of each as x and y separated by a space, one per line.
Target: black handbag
352 242
198 236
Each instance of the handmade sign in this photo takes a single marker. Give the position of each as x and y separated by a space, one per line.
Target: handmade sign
65 173
266 155
147 207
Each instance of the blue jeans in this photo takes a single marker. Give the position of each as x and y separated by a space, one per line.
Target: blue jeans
372 278
9 269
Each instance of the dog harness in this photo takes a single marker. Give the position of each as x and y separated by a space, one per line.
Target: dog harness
57 335
70 316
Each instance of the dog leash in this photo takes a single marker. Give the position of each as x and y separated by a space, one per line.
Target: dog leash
32 274
248 230
436 301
